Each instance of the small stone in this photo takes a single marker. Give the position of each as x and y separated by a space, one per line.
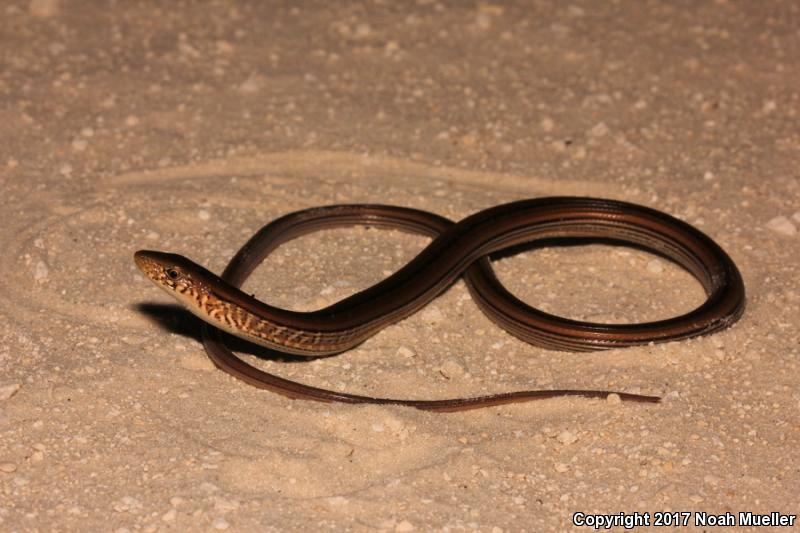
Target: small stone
567 437
708 176
432 315
599 130
451 369
8 468
404 351
613 399
547 124
220 523
336 501
782 225
561 467
405 525
203 215
225 505
41 273
131 120
654 266
252 84
169 516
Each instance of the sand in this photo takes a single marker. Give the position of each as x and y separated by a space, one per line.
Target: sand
185 127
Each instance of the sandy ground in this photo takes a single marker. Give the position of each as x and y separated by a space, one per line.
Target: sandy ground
185 126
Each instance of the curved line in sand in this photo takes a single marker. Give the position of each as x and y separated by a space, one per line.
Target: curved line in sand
346 166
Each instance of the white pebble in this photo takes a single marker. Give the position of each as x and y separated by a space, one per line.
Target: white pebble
203 215
782 225
561 467
405 525
404 351
672 396
8 468
169 516
252 84
613 399
220 523
599 130
654 266
547 124
41 273
567 437
432 315
8 390
452 369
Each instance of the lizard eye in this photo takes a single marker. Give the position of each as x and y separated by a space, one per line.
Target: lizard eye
172 273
